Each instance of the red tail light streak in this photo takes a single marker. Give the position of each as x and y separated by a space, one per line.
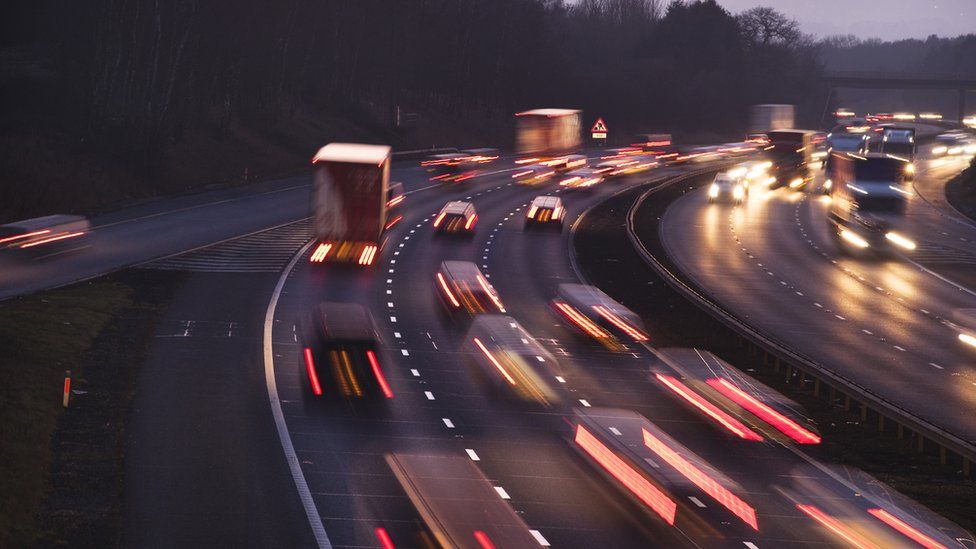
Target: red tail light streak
634 333
642 488
320 253
492 294
313 378
392 222
836 526
447 291
380 378
721 494
581 321
384 538
905 529
483 540
508 377
23 236
470 222
367 255
780 422
439 219
55 238
733 425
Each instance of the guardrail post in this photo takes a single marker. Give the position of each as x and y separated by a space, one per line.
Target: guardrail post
921 442
901 431
847 403
864 412
881 424
942 455
966 466
816 386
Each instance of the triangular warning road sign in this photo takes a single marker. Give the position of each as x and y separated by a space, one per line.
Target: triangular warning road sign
599 126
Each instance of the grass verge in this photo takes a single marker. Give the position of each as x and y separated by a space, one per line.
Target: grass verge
60 470
961 191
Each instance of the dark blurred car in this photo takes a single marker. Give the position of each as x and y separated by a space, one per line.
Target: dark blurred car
464 289
507 357
533 174
341 352
582 178
545 210
45 235
456 217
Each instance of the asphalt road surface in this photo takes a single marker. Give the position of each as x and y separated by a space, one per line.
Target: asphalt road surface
880 322
440 408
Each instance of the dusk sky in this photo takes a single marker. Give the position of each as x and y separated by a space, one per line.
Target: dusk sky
885 19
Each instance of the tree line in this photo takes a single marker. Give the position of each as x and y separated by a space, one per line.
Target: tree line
132 76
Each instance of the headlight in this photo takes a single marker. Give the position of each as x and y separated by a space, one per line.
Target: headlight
713 190
796 183
828 184
737 192
910 168
939 150
853 238
900 240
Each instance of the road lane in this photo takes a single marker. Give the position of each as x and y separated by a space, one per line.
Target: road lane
878 323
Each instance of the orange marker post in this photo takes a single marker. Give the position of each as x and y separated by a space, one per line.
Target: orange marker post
67 388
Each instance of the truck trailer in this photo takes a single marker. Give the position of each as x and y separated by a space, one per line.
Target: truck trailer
544 134
349 202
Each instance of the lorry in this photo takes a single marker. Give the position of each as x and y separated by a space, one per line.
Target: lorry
545 134
349 202
766 118
791 157
900 141
869 194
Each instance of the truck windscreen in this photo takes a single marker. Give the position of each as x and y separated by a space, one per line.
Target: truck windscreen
879 170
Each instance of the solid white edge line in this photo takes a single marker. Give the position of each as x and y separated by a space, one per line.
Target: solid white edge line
311 512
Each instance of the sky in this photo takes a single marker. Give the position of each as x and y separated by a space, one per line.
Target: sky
885 19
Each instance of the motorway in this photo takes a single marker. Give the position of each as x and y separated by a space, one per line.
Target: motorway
879 322
440 409
209 465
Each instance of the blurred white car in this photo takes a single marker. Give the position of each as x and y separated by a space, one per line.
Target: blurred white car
728 187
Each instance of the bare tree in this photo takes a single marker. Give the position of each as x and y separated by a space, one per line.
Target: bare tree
765 26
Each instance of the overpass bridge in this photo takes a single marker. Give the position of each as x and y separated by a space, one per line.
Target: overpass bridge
903 81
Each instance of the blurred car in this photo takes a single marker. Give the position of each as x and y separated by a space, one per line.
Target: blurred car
450 167
857 125
952 143
615 166
754 172
727 187
45 234
510 359
456 217
463 288
533 174
394 203
341 352
545 210
582 178
597 315
481 155
760 139
964 322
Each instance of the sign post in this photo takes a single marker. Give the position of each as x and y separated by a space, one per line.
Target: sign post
599 130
